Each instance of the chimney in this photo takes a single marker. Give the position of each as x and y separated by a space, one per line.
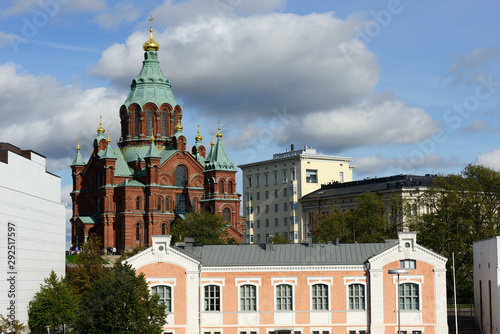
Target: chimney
309 239
292 147
188 243
269 242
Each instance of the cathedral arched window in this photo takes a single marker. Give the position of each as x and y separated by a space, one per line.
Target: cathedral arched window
150 122
164 123
221 187
180 176
137 117
138 203
167 202
226 214
138 232
230 187
163 228
159 203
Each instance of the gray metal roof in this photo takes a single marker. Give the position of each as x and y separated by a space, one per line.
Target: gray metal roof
285 254
380 184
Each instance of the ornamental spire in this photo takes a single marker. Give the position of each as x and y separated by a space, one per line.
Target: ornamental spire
100 129
151 43
198 136
218 135
212 143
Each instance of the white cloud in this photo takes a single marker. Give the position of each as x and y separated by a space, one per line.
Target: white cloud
489 159
50 114
112 18
230 67
52 7
468 69
478 125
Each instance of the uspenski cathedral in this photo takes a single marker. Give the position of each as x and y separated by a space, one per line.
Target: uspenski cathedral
129 193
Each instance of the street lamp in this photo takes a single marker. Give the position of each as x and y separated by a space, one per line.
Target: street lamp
398 272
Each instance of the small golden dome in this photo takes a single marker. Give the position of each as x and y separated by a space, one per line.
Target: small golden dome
198 136
212 143
108 140
152 138
100 129
178 127
219 135
78 145
151 43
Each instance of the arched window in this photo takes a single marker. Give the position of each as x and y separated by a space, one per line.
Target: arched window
167 202
284 298
221 187
320 297
150 122
138 233
180 202
248 297
159 203
356 297
137 121
194 204
165 294
180 176
138 203
230 187
226 213
212 298
164 123
409 296
163 228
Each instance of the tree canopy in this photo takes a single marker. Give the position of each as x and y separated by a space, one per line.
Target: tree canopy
121 304
463 208
54 305
373 220
206 229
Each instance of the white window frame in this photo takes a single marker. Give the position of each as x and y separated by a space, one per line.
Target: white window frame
167 281
254 281
220 282
328 281
275 281
416 279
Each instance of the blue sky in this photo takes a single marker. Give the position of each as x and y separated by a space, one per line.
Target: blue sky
400 86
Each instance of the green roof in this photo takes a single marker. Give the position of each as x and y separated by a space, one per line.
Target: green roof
150 85
217 158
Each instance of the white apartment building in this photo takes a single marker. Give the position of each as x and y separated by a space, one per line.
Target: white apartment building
32 229
272 189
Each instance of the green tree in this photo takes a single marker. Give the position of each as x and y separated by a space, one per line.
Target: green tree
464 208
373 220
206 229
89 266
120 304
54 305
11 327
280 239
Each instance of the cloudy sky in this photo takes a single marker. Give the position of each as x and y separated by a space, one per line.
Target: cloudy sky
401 86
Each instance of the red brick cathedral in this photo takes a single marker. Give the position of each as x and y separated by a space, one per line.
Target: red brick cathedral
126 194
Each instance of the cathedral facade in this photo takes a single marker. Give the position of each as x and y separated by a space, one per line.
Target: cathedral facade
129 193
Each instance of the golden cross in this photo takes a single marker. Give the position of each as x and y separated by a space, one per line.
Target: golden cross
151 22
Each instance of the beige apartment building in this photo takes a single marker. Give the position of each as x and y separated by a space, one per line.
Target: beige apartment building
272 190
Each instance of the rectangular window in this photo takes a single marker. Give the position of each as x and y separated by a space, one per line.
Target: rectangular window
275 177
285 221
267 194
285 205
180 202
356 296
212 298
408 264
258 196
294 190
284 176
286 235
311 176
294 206
249 181
292 174
409 296
416 332
276 207
267 208
258 237
266 179
276 221
341 176
275 193
258 223
284 297
165 294
267 222
295 236
285 192
257 180
320 297
258 209
248 297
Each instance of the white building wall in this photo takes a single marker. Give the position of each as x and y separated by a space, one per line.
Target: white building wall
32 231
486 284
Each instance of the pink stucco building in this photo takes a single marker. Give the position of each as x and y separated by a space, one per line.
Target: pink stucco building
297 288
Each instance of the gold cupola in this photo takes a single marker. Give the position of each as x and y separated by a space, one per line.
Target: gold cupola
151 43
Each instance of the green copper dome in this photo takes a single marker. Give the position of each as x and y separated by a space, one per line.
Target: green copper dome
150 85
